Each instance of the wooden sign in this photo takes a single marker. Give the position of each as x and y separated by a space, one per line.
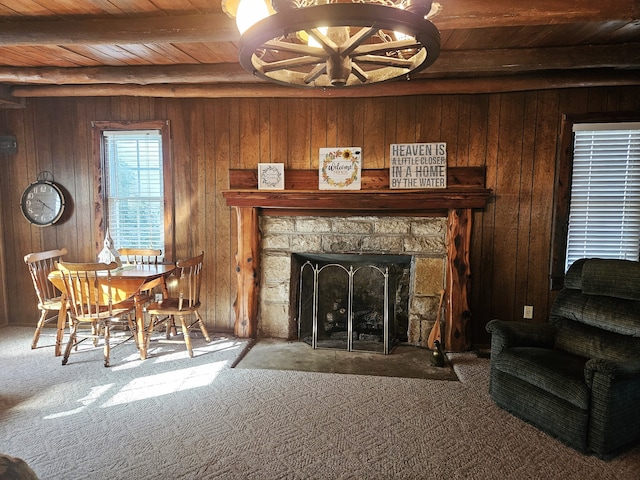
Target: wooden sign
418 165
340 168
271 176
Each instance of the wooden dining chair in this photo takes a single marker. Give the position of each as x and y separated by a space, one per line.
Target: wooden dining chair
187 302
40 264
93 303
143 256
140 256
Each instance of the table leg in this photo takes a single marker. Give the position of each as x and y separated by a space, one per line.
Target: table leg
62 320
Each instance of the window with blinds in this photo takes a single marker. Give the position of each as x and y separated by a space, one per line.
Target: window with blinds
134 188
604 215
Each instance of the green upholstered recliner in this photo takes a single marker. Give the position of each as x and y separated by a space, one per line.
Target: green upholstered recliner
577 377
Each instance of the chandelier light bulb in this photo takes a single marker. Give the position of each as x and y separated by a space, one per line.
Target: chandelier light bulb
250 12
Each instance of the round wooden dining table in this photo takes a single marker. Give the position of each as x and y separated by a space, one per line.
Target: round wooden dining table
127 282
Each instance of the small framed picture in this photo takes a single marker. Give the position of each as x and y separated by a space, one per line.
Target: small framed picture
271 176
340 168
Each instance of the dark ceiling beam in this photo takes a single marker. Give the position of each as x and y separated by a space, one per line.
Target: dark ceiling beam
9 101
507 83
455 14
167 29
450 62
537 59
137 75
463 14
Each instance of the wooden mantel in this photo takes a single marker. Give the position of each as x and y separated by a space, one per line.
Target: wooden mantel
465 191
389 201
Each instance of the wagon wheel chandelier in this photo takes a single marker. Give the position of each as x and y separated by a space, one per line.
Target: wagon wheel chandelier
309 43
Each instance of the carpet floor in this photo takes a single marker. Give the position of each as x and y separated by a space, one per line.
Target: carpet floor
175 417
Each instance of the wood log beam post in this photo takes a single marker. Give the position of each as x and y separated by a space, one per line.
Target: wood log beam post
457 336
248 272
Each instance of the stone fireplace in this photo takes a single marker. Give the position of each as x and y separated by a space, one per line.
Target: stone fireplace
432 226
418 242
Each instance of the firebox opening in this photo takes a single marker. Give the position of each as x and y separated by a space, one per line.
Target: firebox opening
354 302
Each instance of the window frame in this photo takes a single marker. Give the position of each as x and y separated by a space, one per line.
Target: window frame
562 188
98 127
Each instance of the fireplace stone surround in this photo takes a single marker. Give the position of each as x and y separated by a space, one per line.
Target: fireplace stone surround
465 191
422 238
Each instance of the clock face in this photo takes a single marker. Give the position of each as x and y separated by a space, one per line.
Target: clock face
42 203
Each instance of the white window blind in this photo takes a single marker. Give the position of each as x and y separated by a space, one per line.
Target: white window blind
134 188
604 218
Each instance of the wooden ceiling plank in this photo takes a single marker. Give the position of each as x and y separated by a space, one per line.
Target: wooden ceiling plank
95 55
175 8
206 6
169 54
67 8
140 54
103 7
29 7
121 54
210 52
137 6
42 57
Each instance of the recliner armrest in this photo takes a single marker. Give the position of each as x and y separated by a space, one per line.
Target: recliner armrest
506 334
612 369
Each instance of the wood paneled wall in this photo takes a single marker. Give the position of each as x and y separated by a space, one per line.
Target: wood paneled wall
514 135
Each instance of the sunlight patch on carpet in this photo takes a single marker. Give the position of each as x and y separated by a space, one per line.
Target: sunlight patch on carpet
166 383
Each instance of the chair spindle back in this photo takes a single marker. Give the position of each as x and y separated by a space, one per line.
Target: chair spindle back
140 256
90 293
189 280
40 265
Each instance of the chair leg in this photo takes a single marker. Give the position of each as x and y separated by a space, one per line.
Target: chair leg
95 331
147 338
171 327
36 335
185 334
203 329
72 341
133 328
132 325
61 338
107 342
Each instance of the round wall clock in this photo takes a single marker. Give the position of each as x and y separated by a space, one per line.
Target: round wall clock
42 203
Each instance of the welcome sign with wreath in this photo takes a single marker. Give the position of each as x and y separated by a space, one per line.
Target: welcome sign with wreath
340 168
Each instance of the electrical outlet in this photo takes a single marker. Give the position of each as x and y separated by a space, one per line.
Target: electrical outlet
158 297
528 312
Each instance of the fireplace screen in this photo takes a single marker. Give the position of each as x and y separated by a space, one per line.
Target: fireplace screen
352 302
